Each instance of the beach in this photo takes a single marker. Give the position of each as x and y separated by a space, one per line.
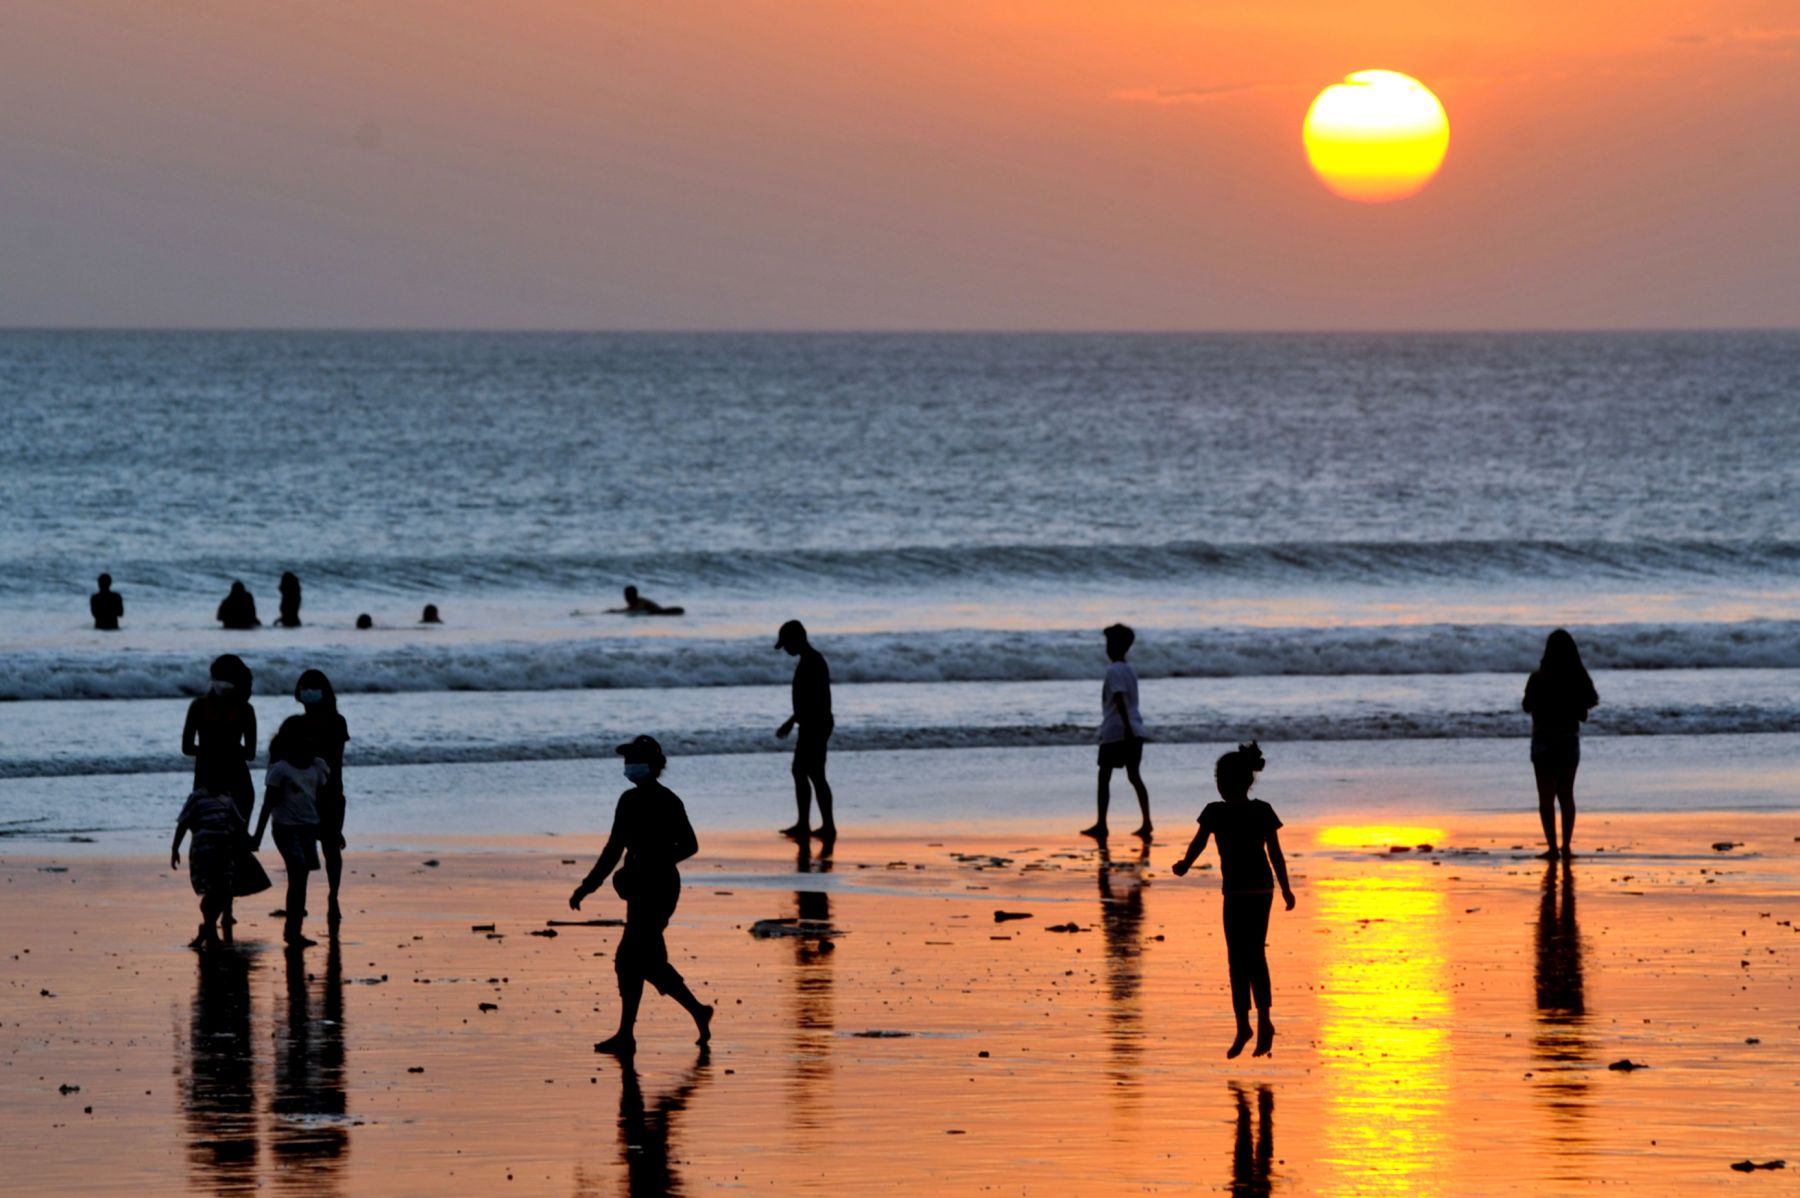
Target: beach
1448 1016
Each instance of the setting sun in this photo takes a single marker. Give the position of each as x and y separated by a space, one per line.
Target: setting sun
1376 137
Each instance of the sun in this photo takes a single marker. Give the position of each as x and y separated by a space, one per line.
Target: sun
1376 137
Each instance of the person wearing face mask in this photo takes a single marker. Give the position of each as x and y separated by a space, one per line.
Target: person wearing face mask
651 832
221 729
328 733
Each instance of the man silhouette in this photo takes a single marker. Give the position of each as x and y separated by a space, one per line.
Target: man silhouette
107 606
812 712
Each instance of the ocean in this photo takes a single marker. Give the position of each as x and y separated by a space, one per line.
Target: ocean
1318 538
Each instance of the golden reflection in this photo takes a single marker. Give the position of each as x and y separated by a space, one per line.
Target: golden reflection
1122 924
1376 836
1562 1050
814 1018
219 1089
1384 1037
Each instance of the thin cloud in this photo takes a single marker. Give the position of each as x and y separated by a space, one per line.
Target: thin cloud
1191 95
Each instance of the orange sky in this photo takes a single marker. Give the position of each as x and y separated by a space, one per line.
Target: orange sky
887 164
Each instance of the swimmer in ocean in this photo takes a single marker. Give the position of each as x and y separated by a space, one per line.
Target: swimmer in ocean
638 605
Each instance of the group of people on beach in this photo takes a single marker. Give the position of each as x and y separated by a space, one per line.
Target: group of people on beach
651 835
237 611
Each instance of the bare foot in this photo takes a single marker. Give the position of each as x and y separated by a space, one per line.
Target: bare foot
1098 831
1567 852
703 1021
620 1044
1237 1045
826 832
300 942
1265 1039
1143 833
1547 855
795 832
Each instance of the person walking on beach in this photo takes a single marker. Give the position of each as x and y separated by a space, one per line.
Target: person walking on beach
291 789
329 734
1250 866
106 605
221 730
650 830
1121 731
812 712
238 609
212 818
290 601
1558 695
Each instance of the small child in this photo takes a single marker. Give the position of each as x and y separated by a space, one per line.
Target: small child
290 797
1121 732
212 816
1248 848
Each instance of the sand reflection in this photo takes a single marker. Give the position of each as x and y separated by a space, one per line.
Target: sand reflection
1385 1008
219 1090
1253 1147
814 1018
1122 925
1562 1050
310 1131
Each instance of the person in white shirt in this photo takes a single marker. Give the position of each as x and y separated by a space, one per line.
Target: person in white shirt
1121 731
291 789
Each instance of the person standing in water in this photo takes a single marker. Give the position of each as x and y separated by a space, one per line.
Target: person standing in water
106 605
812 713
1558 695
290 601
238 609
650 830
1250 866
1121 731
329 734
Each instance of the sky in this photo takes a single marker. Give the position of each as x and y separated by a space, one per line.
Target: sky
887 164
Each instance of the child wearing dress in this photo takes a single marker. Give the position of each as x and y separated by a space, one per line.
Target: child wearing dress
1250 866
291 789
211 816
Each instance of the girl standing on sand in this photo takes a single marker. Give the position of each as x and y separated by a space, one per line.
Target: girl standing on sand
329 734
1250 865
651 830
218 830
1559 694
290 798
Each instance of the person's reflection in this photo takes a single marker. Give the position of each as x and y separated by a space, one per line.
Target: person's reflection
1561 1045
644 1129
1253 1154
311 1135
220 1098
1122 924
813 1012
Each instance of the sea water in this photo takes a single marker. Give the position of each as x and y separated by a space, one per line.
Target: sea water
1316 537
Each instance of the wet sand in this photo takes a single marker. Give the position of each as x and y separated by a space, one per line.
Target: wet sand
1447 1022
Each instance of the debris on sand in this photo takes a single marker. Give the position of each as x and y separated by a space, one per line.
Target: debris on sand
1626 1065
543 932
1065 927
1752 1166
489 1006
806 929
1003 916
1725 846
481 927
584 923
415 1068
65 1088
433 863
880 1034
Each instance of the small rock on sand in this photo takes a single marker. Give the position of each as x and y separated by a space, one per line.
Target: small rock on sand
1725 846
1065 927
1626 1065
1752 1166
490 1006
1003 916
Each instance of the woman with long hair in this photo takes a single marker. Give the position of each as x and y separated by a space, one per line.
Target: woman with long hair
1558 695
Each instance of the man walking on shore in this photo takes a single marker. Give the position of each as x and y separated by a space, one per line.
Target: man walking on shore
1121 731
812 712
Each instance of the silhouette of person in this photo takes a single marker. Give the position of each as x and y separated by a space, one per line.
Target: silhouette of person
1121 731
644 1130
812 713
1250 865
310 1135
365 622
1558 695
219 1089
221 730
638 605
291 787
106 605
430 615
290 601
238 609
328 732
211 816
651 831
1253 1159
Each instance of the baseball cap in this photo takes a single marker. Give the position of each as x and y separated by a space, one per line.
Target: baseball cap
641 748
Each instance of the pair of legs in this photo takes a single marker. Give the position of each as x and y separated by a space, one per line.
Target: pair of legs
1126 755
214 902
643 957
1246 940
297 844
331 848
1556 786
809 782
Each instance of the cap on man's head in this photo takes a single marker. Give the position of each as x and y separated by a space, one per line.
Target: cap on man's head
642 748
792 633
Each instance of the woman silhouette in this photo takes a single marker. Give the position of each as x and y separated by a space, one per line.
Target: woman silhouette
1559 694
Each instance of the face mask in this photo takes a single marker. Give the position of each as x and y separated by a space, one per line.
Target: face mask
222 688
311 697
637 771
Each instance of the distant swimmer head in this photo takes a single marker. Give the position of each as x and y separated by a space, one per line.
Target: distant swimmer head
314 689
1236 771
231 678
792 637
289 582
644 758
365 622
1119 639
430 615
105 581
631 594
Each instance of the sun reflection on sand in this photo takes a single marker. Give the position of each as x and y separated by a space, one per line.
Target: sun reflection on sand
1384 1035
